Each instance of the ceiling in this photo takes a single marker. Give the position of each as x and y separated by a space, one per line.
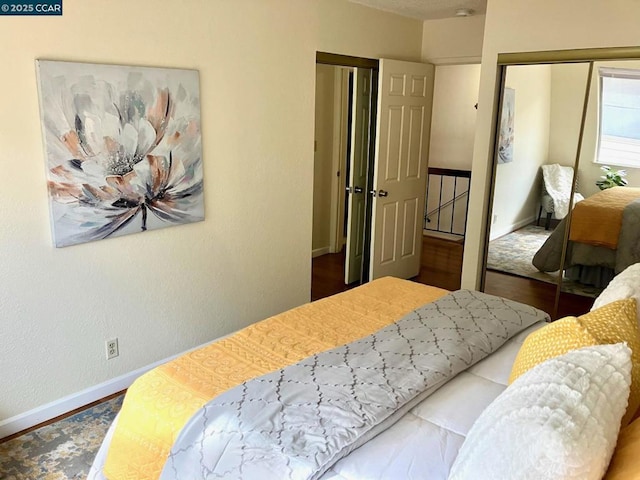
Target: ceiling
426 9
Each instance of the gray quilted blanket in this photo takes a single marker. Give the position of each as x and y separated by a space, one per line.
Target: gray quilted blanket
629 240
294 423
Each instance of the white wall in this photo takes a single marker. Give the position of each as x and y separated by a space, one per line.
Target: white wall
520 26
164 291
568 82
517 193
350 29
453 40
453 122
454 45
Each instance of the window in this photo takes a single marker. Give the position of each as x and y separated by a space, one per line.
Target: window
619 137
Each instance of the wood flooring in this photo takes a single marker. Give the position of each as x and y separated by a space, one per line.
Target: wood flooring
536 293
441 266
328 275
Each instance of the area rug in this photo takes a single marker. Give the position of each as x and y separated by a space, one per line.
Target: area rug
60 451
512 253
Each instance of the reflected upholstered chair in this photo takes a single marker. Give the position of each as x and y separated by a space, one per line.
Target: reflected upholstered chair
556 190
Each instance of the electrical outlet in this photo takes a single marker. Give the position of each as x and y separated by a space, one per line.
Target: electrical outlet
112 348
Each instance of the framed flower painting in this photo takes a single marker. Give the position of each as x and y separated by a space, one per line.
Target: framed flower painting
122 148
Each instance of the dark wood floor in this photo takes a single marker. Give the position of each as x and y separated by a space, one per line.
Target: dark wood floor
442 267
328 275
536 293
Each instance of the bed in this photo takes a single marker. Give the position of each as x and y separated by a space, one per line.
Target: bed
445 415
604 238
399 380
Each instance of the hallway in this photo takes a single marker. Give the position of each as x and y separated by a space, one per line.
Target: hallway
441 266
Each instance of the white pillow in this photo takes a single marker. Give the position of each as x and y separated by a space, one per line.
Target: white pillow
624 285
558 421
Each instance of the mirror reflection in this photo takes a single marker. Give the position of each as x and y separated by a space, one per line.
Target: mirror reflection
544 227
533 177
604 231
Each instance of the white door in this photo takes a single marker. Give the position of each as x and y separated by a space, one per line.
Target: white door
358 161
402 145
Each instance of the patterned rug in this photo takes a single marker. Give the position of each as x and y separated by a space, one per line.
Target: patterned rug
60 451
512 253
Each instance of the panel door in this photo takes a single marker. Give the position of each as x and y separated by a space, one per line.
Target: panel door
401 160
358 162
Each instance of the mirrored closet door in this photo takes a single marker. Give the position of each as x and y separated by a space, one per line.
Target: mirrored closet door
603 237
549 155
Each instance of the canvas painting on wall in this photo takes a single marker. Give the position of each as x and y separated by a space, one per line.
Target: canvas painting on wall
122 147
505 142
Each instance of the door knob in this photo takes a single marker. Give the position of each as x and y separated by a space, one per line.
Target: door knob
383 193
357 189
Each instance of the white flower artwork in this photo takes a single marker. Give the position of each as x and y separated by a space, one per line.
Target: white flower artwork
122 148
505 142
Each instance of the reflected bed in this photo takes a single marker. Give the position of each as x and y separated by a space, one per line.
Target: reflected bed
603 241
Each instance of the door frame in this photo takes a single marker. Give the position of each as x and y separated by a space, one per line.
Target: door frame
326 58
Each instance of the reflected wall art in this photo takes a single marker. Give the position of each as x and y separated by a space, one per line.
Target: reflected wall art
505 142
122 148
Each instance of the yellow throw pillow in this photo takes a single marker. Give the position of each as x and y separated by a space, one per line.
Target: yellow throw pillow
625 463
613 323
550 341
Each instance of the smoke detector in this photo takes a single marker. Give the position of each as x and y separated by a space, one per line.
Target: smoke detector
464 12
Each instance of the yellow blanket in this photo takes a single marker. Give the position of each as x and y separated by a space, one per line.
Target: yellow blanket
161 401
598 219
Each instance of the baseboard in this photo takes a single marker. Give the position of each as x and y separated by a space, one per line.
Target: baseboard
71 402
320 251
497 232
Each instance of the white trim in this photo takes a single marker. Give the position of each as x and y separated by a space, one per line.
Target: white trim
618 151
615 72
66 404
612 149
501 231
318 252
472 60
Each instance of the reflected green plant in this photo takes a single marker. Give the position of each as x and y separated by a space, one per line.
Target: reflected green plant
611 178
